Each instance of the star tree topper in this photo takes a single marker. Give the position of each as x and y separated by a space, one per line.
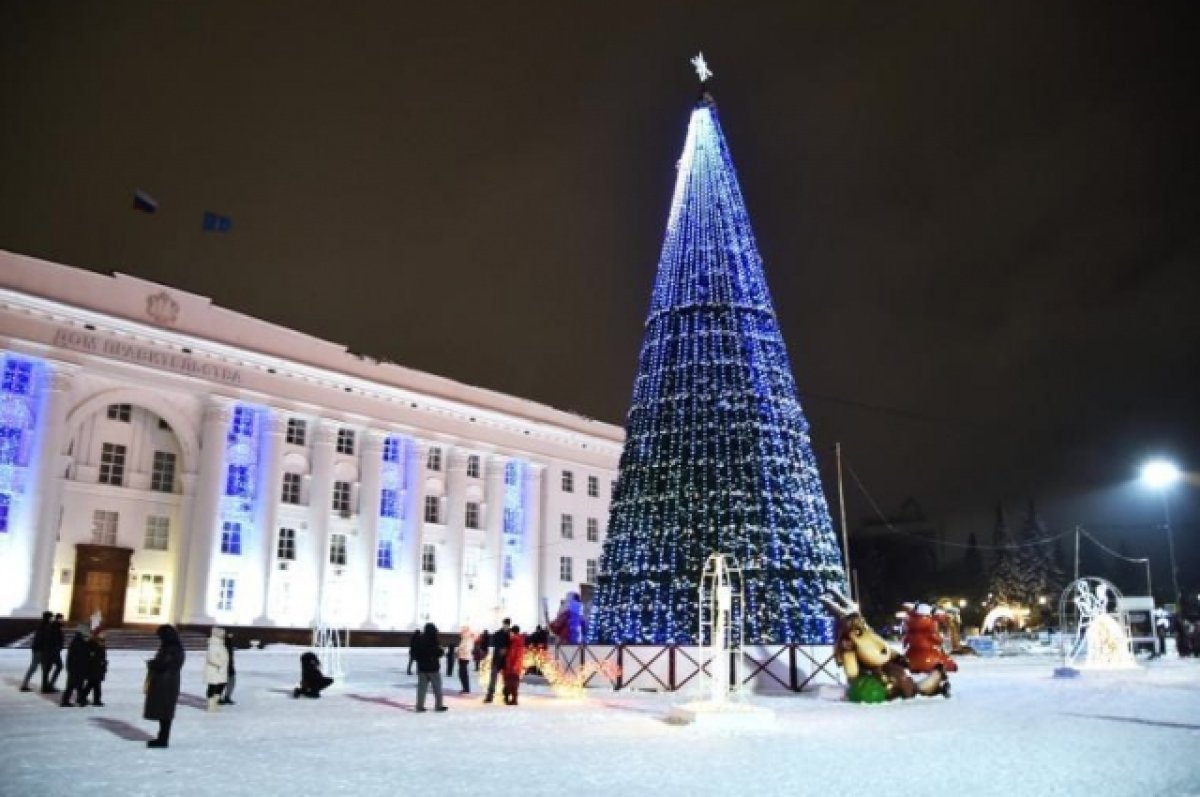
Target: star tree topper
702 69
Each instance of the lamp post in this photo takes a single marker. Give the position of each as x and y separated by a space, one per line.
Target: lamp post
1160 474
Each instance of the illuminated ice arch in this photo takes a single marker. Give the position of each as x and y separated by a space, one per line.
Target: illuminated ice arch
1016 614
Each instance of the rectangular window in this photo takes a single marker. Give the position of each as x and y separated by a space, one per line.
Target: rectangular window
285 545
5 503
568 481
231 538
297 431
510 521
291 488
337 549
120 412
112 464
104 527
564 568
225 593
237 480
150 594
510 473
391 449
383 555
593 487
567 527
434 460
341 497
158 533
428 558
473 466
433 509
472 518
345 441
591 571
162 476
593 530
389 503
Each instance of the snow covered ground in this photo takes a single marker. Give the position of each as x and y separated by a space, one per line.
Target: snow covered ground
1009 728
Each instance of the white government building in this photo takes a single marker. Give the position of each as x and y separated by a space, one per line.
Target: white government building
166 460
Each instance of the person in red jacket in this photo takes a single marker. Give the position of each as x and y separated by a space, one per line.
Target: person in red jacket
514 665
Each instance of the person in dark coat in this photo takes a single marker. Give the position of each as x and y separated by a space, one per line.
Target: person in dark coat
227 698
428 654
499 649
451 657
78 656
482 642
52 654
312 680
35 650
162 683
97 669
412 647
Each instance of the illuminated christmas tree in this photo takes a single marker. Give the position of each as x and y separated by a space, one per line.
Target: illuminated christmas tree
717 454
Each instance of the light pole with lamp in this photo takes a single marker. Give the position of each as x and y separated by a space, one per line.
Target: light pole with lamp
1160 474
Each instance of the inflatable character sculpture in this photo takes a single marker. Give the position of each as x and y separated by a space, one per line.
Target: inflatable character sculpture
923 641
874 671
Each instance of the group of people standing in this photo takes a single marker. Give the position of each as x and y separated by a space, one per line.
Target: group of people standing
506 648
87 661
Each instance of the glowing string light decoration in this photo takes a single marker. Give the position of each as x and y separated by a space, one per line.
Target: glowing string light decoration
717 453
564 682
21 380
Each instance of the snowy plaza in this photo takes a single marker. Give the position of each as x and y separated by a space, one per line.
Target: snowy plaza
1010 727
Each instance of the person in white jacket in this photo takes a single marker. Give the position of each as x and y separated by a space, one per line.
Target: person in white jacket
466 646
216 667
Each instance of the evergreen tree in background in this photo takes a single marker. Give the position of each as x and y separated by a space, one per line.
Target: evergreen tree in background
973 571
1004 581
717 455
1038 572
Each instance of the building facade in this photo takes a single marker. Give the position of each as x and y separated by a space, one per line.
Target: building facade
166 460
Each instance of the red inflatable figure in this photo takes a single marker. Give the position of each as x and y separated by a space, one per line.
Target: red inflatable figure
922 641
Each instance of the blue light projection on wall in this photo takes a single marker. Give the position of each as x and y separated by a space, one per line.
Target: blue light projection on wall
717 457
244 462
391 500
21 397
514 519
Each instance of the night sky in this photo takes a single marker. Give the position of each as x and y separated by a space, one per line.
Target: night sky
979 220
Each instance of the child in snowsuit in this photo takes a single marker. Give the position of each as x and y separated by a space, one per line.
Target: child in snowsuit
514 666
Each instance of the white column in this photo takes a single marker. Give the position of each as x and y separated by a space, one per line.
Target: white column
450 568
46 491
368 512
414 532
270 487
491 560
526 569
203 537
320 505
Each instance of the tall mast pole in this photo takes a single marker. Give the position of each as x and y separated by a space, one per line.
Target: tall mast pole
837 447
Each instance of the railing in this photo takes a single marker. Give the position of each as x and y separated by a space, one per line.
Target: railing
670 668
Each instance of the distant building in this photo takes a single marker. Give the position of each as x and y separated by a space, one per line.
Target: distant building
166 460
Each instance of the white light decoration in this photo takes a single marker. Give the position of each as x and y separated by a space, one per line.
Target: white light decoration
702 70
1094 627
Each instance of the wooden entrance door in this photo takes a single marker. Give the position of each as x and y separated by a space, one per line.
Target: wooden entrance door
101 576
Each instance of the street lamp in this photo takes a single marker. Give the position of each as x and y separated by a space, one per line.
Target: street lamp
1160 474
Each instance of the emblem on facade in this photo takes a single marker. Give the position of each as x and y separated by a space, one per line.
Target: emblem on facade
162 308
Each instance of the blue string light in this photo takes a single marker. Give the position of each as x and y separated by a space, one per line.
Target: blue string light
717 454
20 409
